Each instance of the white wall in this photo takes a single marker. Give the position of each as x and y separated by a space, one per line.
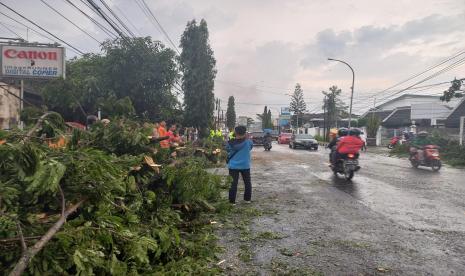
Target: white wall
415 100
9 107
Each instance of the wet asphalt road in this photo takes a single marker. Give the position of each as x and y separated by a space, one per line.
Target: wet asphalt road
391 219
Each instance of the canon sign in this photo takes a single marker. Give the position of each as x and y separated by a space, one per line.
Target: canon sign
12 53
32 61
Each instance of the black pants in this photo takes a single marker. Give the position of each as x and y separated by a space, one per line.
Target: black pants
235 179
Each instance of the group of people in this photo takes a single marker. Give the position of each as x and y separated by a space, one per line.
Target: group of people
167 137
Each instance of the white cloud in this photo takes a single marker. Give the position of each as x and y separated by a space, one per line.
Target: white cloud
265 47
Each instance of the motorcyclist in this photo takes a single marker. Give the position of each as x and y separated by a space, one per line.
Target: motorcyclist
342 132
418 143
349 144
267 139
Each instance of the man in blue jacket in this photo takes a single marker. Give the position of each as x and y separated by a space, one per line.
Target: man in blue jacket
239 162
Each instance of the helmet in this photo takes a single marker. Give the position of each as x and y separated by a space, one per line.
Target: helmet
342 132
354 132
422 134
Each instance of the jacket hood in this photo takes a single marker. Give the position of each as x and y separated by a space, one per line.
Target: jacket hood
237 144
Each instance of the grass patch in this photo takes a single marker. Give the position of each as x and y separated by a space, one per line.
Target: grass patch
269 235
245 253
279 267
286 252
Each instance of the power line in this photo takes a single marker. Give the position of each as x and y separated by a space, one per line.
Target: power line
35 31
117 18
160 26
32 22
11 31
27 27
107 18
426 70
82 30
446 69
129 21
98 24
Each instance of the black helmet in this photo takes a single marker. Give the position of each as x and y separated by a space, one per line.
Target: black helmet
354 132
342 132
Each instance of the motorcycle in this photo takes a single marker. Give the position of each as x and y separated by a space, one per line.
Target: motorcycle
347 166
267 145
394 141
431 157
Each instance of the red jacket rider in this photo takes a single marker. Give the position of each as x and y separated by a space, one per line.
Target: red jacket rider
349 144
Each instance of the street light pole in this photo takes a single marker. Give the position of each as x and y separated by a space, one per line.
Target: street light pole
352 88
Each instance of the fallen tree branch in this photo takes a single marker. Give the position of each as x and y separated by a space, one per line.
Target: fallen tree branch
32 251
36 126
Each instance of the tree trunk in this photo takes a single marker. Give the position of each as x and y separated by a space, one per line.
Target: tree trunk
32 251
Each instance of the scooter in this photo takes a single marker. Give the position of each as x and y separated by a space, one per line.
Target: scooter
394 141
431 157
347 166
267 146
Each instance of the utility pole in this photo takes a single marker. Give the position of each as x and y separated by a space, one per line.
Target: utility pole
352 88
324 118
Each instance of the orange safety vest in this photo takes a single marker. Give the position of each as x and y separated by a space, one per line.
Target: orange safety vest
165 143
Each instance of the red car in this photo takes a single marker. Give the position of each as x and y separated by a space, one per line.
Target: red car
284 138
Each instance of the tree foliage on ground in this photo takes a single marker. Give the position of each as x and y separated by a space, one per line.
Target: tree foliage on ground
333 105
298 105
132 76
109 211
198 67
265 118
231 113
454 91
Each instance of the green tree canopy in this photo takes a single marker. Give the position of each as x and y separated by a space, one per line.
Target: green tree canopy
453 90
133 75
198 68
231 114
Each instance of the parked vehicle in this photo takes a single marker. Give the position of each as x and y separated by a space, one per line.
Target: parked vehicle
284 138
347 166
306 141
394 141
431 157
257 137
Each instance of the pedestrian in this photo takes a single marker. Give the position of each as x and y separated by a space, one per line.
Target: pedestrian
165 144
239 163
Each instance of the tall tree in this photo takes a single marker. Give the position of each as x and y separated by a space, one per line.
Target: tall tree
334 106
265 117
198 67
231 114
269 121
298 105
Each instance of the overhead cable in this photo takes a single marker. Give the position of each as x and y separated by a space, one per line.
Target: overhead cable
38 26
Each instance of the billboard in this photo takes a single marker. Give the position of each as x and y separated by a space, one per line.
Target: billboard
285 111
32 62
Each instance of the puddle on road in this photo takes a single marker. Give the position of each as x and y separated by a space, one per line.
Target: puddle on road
406 208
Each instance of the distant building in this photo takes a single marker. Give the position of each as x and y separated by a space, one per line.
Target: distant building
9 106
242 121
453 120
408 109
10 103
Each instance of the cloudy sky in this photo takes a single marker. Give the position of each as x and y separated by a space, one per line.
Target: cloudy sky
264 47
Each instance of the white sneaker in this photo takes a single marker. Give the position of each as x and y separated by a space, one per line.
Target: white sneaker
247 201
